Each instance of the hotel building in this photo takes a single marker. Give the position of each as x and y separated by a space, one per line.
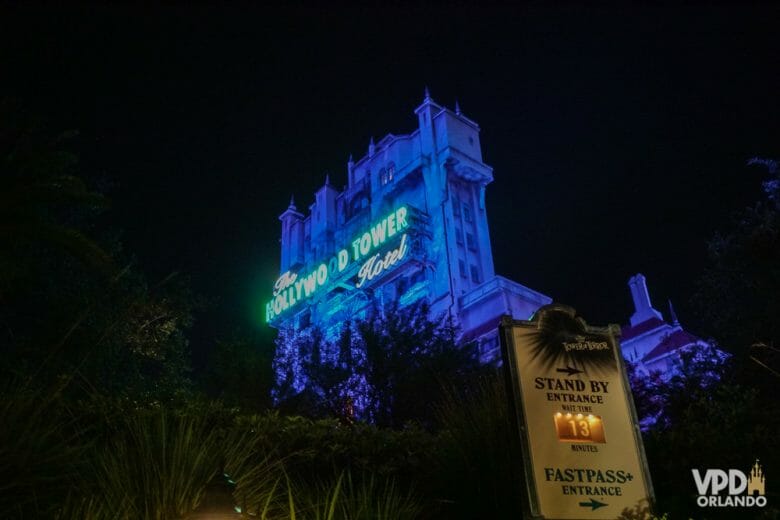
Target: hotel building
411 223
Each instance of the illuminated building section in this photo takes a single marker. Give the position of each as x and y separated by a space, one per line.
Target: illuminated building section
650 341
410 224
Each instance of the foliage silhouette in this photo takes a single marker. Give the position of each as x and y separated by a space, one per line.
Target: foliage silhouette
66 310
379 367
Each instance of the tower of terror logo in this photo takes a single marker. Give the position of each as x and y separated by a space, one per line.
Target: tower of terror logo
730 488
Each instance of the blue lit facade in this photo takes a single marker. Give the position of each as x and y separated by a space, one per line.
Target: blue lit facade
651 342
411 223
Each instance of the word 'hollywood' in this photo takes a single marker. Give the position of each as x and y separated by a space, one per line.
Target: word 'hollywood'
290 289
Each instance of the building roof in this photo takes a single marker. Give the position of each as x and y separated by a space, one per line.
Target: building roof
629 331
674 341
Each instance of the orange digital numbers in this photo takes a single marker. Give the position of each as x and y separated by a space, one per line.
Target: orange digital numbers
577 427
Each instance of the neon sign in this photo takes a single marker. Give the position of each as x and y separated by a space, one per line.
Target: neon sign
291 288
375 265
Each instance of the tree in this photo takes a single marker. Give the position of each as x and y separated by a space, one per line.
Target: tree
142 352
389 368
737 296
239 373
410 358
663 402
700 418
66 311
714 413
40 194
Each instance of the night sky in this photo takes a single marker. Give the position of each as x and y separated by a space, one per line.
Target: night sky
618 136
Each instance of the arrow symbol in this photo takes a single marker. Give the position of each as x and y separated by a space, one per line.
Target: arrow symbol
569 370
593 504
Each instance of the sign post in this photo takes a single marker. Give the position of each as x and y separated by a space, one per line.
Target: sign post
582 450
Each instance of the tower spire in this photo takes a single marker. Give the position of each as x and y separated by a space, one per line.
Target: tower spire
350 169
457 108
327 179
292 202
673 314
427 94
371 147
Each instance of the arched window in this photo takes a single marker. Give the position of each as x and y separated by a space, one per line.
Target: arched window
386 174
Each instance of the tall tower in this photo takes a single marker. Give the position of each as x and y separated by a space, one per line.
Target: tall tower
410 224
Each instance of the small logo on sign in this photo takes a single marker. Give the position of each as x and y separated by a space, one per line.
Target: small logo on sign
731 488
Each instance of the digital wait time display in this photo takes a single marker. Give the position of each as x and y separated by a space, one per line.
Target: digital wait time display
578 427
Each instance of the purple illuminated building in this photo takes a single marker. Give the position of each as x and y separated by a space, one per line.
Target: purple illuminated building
409 224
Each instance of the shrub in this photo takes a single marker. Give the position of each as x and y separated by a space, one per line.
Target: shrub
353 496
154 465
41 450
479 459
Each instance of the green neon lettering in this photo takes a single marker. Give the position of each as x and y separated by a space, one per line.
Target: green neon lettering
322 274
400 218
291 288
365 244
309 284
343 259
378 233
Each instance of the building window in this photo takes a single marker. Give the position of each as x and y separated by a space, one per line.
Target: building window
459 236
357 204
474 273
467 212
386 175
470 242
462 267
456 206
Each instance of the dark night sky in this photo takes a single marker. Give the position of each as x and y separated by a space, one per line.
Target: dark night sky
618 136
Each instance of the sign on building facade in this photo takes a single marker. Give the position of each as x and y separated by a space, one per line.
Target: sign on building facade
582 451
